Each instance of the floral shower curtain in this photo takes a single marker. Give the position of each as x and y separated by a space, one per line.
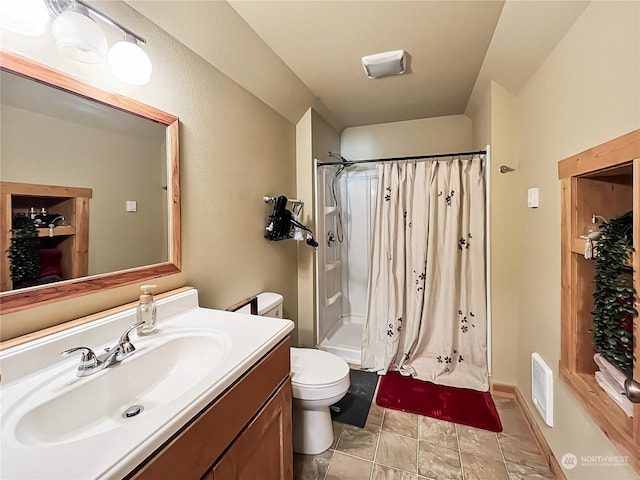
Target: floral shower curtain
426 311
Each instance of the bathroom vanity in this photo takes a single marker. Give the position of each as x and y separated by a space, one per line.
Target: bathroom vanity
210 395
240 436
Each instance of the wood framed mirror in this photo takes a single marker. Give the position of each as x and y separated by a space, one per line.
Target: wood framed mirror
85 281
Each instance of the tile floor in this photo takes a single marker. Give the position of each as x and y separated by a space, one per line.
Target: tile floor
396 445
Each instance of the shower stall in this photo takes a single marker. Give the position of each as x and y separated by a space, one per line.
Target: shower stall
345 207
345 204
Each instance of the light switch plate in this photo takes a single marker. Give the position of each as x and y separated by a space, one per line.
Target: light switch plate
132 206
533 198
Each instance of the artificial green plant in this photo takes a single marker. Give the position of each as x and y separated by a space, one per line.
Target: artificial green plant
614 295
23 252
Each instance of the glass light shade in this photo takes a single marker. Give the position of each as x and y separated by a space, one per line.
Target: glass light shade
129 63
26 17
79 37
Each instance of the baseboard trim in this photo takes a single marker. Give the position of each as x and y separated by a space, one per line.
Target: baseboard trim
502 390
512 391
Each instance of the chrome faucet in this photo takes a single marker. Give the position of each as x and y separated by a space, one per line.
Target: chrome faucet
91 363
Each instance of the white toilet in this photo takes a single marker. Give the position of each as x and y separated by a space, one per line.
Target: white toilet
318 379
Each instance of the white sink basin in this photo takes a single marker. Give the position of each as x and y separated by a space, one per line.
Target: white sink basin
151 377
56 425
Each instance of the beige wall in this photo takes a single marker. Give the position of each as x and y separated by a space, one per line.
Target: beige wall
504 252
223 38
45 150
413 137
586 92
315 138
479 112
492 111
234 149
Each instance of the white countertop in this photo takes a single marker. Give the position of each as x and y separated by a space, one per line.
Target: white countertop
34 373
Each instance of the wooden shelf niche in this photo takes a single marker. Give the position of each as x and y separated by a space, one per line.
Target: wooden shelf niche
72 238
604 180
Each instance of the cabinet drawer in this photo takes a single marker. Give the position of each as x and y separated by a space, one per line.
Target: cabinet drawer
193 450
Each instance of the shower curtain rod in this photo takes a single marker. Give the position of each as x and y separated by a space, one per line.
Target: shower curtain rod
418 157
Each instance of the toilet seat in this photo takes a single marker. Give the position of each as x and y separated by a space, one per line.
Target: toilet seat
317 375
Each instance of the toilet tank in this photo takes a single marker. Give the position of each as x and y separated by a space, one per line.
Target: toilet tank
269 305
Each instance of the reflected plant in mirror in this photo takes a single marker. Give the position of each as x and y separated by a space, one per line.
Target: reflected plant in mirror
93 172
23 252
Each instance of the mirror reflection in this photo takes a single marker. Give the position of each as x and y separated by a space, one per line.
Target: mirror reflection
97 214
92 178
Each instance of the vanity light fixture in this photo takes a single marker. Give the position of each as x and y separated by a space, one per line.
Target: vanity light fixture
384 64
78 35
26 17
129 62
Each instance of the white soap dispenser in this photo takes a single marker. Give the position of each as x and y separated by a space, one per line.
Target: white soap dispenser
146 311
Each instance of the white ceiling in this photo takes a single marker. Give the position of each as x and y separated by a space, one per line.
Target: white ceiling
299 53
323 43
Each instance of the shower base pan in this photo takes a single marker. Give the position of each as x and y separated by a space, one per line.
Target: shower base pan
345 340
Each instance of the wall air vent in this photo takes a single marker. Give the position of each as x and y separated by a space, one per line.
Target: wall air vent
542 388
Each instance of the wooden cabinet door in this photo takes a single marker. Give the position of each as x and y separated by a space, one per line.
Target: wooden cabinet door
264 449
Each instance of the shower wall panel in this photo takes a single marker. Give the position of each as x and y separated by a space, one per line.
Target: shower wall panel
329 265
358 188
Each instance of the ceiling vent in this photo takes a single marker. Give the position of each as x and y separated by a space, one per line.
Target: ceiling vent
384 64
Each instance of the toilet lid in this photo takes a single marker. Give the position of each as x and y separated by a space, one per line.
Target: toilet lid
315 368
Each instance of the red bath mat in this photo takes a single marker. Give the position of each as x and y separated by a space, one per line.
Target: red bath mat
457 405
